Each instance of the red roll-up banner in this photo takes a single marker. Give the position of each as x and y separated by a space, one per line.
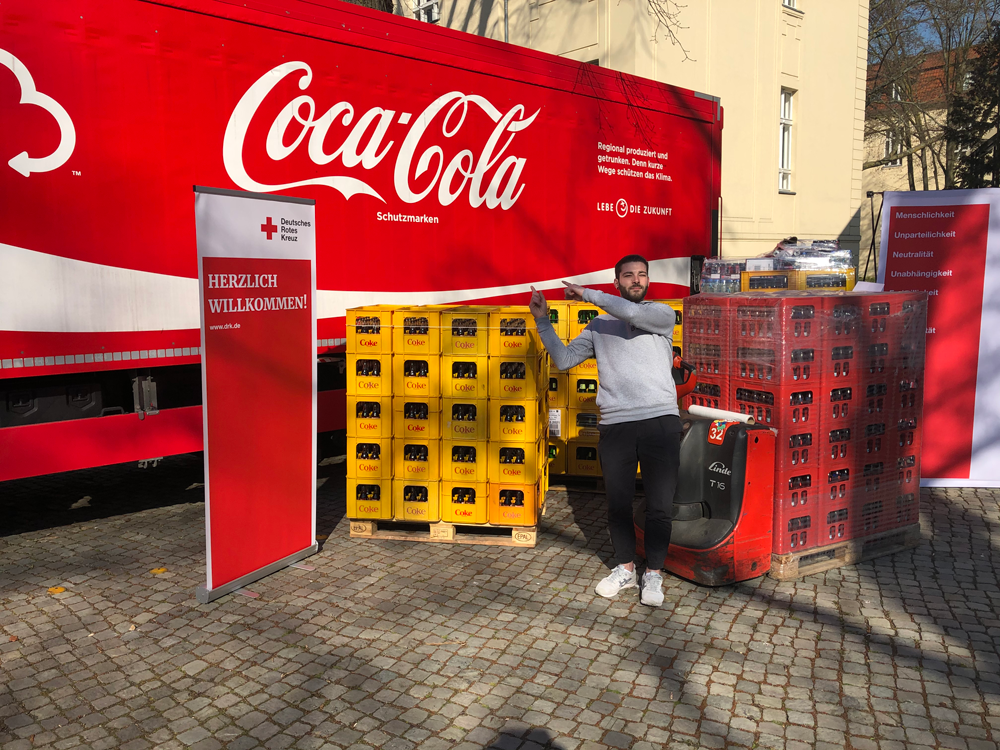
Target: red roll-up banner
947 243
257 281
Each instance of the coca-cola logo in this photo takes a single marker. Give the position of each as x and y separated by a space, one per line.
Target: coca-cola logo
416 428
464 430
369 508
462 512
368 425
512 472
415 511
464 470
491 177
368 342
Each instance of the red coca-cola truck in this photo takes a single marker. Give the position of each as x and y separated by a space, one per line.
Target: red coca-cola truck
445 168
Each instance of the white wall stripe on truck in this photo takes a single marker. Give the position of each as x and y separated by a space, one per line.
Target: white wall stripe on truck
46 293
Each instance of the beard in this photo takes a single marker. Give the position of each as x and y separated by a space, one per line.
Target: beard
635 294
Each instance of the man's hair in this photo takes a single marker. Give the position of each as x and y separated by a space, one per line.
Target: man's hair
630 259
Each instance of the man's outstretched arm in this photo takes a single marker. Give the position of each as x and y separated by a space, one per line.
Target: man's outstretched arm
563 357
658 319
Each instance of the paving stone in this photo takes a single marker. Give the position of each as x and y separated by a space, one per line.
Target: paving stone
397 646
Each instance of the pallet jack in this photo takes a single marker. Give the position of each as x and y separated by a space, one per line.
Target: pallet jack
723 507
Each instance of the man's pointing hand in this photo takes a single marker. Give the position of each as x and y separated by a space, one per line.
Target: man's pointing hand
574 291
538 306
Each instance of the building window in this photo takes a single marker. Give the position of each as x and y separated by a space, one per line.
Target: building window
428 11
893 147
785 141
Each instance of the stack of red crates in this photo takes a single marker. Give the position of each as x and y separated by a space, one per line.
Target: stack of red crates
707 349
838 376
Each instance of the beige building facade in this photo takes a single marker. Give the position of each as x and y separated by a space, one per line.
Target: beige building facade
790 74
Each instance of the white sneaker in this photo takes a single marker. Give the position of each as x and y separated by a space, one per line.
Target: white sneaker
652 589
619 578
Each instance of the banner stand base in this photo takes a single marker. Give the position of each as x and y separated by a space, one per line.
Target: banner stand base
204 596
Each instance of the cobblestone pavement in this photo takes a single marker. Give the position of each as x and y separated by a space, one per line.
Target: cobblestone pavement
399 645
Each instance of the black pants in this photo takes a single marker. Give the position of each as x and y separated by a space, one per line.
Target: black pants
656 445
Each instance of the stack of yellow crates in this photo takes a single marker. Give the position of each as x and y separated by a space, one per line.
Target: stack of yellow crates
519 375
446 415
573 412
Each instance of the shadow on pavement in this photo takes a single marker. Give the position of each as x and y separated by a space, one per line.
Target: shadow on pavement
55 500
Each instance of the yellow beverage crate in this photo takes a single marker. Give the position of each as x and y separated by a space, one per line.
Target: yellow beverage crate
417 418
559 315
416 375
581 458
517 421
513 333
558 390
516 464
556 457
369 375
369 498
464 460
465 502
768 281
465 331
588 367
463 419
416 330
678 307
514 504
580 315
417 460
369 330
465 376
369 459
814 281
416 501
582 424
517 378
369 417
582 392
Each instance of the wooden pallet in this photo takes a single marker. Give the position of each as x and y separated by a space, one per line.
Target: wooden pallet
798 564
447 533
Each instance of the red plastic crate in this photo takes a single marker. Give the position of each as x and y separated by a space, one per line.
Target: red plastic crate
776 362
707 315
907 507
800 449
907 473
842 318
875 400
876 441
709 356
788 408
796 510
713 392
794 532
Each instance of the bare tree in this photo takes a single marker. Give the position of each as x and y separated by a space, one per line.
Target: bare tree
667 14
919 53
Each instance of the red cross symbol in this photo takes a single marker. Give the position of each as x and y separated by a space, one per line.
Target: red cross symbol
268 228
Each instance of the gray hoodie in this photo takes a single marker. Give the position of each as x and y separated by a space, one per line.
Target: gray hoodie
633 346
